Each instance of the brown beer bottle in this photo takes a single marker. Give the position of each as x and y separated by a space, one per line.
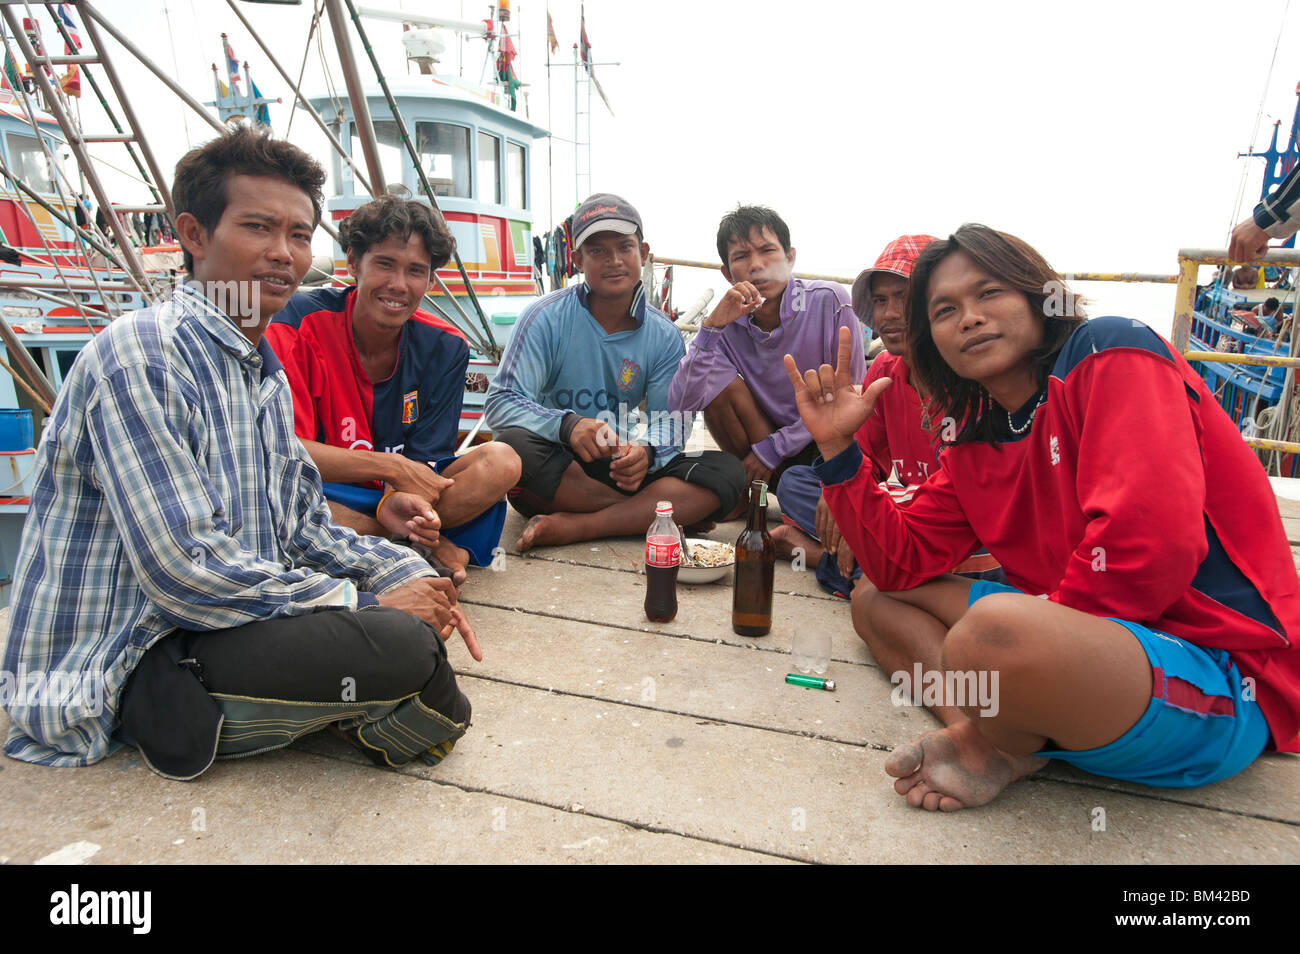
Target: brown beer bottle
751 601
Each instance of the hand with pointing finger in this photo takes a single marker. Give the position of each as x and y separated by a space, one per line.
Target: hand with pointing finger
830 406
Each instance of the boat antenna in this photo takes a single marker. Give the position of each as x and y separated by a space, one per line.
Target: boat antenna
552 46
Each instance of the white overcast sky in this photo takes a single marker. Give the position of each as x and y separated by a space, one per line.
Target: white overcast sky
1104 134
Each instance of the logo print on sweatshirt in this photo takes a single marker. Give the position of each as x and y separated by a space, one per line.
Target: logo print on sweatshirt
627 375
1055 448
409 411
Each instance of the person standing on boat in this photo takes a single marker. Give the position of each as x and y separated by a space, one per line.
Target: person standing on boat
582 397
732 370
1092 461
378 386
179 571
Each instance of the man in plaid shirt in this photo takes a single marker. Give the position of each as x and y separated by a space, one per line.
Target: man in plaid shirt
180 586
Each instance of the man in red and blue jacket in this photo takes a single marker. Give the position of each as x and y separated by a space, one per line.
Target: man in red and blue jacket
377 391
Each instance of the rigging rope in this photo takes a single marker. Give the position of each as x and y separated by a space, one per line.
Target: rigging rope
330 89
306 51
1259 114
176 65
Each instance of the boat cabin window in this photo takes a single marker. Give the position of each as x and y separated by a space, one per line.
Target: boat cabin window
516 194
444 155
489 168
28 160
391 150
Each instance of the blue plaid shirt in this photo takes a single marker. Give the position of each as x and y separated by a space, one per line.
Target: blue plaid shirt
170 493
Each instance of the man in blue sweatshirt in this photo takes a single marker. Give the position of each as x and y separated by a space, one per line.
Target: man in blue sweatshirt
569 396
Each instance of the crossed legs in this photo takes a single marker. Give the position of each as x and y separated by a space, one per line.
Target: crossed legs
1075 679
605 512
482 477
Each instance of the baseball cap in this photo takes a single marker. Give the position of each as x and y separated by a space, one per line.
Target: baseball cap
897 259
604 212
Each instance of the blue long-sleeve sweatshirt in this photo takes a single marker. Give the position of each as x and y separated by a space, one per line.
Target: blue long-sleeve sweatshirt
560 360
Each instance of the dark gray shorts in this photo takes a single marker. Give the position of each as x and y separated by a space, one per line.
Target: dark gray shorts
544 463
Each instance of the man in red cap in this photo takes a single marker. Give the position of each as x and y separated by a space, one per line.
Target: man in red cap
893 439
898 439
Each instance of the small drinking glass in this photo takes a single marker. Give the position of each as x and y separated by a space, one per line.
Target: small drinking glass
811 648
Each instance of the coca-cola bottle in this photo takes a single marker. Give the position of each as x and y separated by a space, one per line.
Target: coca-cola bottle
663 557
751 601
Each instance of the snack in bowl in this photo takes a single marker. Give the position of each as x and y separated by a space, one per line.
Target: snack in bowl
704 561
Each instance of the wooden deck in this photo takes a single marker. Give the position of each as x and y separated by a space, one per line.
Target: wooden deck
599 737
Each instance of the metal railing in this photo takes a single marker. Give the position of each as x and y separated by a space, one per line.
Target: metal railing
1189 262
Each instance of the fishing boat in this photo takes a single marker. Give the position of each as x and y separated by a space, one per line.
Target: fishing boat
1258 392
600 737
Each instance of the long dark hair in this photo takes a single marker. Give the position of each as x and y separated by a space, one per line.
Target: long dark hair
1014 262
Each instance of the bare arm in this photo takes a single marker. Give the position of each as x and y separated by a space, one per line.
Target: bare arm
342 465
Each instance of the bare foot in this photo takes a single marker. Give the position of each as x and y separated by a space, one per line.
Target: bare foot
787 539
955 768
453 558
704 526
546 530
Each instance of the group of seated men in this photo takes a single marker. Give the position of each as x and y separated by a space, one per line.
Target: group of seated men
223 467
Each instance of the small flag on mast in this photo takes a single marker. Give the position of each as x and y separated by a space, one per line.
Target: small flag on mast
584 46
70 82
13 77
584 50
263 114
66 18
232 64
550 33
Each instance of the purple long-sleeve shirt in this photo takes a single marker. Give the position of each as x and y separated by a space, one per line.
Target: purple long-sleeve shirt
811 315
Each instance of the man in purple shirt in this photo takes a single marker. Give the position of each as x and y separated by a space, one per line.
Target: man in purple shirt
734 369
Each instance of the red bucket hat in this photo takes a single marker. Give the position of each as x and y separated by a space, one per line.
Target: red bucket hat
897 259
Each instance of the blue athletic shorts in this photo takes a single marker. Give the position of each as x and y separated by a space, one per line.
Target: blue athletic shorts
1197 729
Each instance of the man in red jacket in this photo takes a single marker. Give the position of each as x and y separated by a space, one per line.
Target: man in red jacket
377 390
1095 465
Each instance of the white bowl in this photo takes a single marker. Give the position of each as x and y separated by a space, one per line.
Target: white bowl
703 574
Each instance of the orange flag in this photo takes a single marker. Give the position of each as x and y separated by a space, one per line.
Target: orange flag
71 81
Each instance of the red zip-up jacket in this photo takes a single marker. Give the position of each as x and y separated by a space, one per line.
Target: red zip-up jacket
1132 496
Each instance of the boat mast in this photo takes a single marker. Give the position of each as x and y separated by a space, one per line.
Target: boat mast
360 109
